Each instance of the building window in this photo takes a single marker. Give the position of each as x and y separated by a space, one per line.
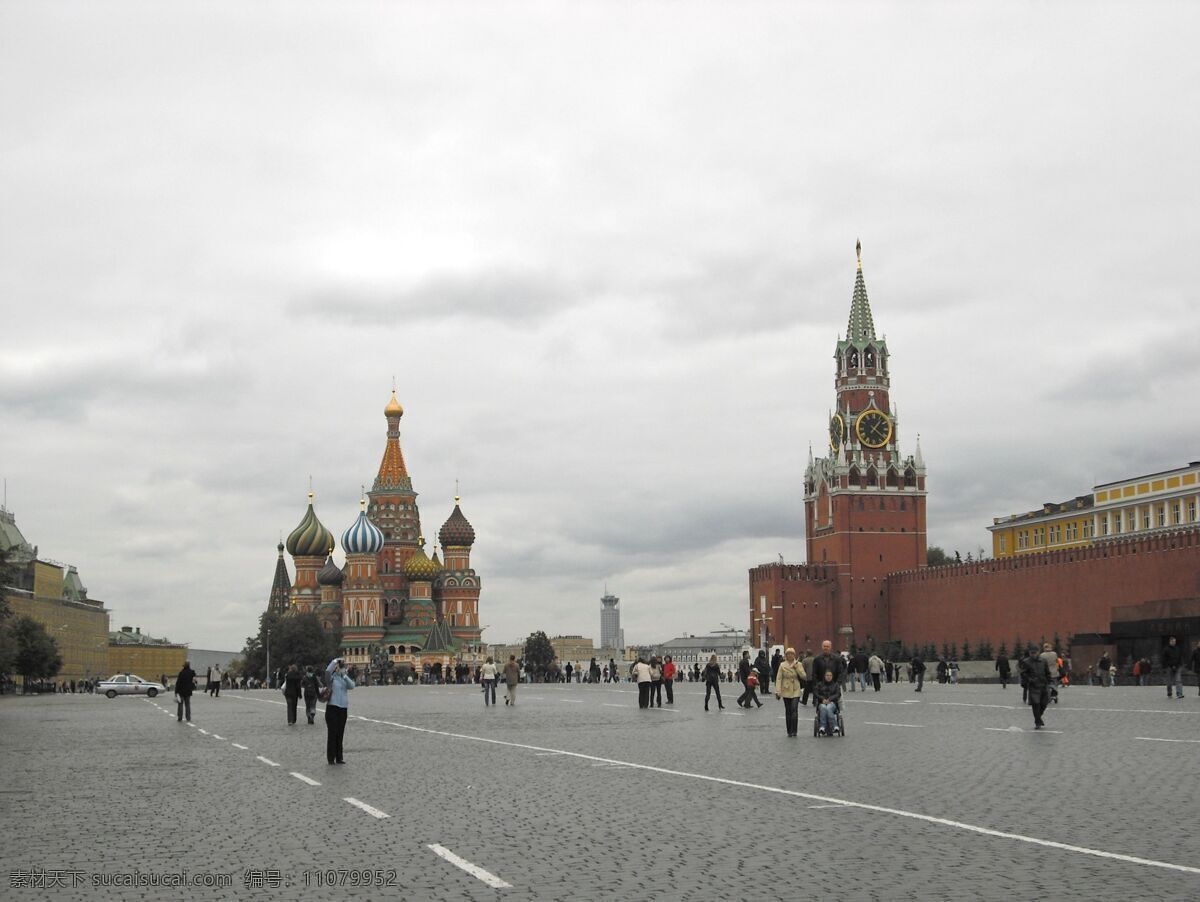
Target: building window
1176 513
1088 529
1002 544
1104 525
1146 518
1191 511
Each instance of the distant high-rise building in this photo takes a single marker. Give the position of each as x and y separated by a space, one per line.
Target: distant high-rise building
610 622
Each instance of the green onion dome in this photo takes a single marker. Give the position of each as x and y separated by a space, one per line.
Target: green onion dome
310 538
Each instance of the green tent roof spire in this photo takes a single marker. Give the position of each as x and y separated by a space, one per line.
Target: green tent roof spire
861 326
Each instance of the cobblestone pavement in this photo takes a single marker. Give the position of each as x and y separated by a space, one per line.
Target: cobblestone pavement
577 794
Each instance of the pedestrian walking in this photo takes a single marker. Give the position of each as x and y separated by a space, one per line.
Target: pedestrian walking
185 685
827 660
1053 667
1172 661
861 668
762 668
790 678
807 661
291 692
776 660
311 686
712 682
1102 669
746 675
918 671
216 681
512 676
1003 669
1196 665
488 676
337 709
1035 672
875 669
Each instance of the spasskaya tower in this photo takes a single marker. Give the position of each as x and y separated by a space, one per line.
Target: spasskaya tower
864 503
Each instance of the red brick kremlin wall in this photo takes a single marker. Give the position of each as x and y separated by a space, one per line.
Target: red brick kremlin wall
1068 592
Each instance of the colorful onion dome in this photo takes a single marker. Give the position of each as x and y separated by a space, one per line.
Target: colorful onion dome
363 536
331 574
310 538
393 408
457 532
419 567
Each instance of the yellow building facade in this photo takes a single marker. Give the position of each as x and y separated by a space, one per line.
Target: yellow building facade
1159 502
79 628
149 658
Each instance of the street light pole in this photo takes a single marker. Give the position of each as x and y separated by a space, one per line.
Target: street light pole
268 657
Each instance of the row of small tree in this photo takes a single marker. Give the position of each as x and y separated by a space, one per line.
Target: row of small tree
981 650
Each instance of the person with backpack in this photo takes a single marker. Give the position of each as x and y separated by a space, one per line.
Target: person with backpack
291 692
310 684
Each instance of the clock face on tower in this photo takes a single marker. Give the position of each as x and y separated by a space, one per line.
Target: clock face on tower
873 428
837 431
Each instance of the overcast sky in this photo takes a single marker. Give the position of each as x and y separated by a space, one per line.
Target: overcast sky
604 250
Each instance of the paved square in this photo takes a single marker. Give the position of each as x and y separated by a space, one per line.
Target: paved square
578 794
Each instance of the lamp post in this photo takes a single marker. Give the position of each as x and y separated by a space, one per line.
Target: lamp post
269 686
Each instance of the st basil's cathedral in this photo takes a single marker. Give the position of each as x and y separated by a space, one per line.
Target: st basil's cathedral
392 600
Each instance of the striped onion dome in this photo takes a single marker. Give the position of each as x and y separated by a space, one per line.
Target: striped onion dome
310 538
331 574
457 531
421 568
363 536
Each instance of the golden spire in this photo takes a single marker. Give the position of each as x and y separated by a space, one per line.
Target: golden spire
393 407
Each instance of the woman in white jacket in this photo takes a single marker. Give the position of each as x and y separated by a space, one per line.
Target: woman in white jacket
488 676
641 671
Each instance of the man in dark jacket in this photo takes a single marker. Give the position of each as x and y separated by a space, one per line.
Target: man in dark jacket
311 684
185 685
763 668
744 669
1036 672
860 666
291 692
1172 661
1003 669
1102 670
918 669
827 660
776 660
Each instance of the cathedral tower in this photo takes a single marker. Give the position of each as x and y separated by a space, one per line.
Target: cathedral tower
362 598
393 508
309 544
458 585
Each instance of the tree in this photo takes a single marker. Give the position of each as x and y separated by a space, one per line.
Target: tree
966 650
1003 653
538 652
295 639
36 653
935 556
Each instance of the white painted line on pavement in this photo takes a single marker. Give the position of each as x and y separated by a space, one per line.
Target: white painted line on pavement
1018 730
266 761
611 705
826 806
215 736
474 870
1156 739
795 793
236 746
573 701
1069 708
878 723
374 812
204 731
309 780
